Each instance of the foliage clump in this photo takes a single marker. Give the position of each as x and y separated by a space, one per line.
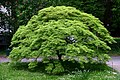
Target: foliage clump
59 34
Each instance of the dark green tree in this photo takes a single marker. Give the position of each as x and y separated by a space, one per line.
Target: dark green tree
106 10
115 28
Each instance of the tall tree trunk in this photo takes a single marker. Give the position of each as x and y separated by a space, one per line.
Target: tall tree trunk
108 14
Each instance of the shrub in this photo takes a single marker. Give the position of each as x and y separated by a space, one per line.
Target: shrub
115 48
61 34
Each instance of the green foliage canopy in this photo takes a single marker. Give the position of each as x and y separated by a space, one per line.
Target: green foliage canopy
62 32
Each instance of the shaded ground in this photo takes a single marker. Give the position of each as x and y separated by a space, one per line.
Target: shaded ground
114 62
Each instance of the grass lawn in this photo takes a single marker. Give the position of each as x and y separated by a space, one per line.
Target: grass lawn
9 73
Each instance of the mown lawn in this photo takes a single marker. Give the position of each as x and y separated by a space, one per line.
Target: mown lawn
9 73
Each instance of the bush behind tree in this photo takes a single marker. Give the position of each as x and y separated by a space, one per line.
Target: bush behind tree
59 34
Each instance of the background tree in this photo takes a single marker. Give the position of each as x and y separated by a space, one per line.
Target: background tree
6 23
115 28
23 10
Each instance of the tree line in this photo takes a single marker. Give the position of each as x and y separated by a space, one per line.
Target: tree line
106 10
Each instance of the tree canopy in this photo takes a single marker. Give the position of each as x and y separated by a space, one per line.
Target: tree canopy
62 32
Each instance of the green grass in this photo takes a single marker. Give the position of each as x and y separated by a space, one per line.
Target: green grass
11 73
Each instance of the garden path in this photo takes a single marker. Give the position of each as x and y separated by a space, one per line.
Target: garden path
114 62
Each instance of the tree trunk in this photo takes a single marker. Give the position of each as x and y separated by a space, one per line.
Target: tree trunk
108 14
59 56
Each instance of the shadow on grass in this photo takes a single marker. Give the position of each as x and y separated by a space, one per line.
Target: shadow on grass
69 67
